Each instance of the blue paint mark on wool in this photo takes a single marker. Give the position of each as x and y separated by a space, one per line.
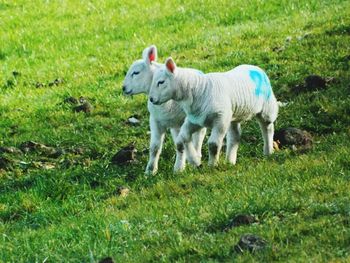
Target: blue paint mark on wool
263 86
200 72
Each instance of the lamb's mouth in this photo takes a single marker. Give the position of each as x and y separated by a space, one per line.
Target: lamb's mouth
128 92
156 102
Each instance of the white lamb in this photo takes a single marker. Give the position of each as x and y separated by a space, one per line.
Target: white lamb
219 101
162 117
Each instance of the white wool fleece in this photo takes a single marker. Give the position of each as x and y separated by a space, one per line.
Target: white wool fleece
162 117
219 101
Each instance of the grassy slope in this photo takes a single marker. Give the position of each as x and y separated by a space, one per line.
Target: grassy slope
71 213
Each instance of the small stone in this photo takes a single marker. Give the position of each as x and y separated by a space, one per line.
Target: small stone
133 121
240 220
251 243
106 260
125 155
294 138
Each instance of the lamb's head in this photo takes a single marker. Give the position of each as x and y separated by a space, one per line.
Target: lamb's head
163 84
138 79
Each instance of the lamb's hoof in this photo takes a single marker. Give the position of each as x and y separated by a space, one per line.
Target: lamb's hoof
179 169
195 162
213 164
231 162
150 172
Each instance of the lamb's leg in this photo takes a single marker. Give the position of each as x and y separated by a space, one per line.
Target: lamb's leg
183 142
233 137
267 130
215 142
157 138
180 161
197 140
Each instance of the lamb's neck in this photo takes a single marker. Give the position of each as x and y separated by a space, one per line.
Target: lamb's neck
189 85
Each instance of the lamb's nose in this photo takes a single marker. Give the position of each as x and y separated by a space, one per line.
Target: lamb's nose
151 99
124 88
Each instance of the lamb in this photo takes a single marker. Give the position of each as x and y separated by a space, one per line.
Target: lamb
220 101
162 117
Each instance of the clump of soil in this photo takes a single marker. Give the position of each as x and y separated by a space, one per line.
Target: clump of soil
106 260
251 243
313 83
6 163
71 100
55 82
240 220
43 165
39 84
16 73
125 155
31 146
10 150
293 138
84 105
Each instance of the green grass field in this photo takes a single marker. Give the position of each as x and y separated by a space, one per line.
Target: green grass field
66 209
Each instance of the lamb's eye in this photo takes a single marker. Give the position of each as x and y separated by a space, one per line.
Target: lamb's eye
135 73
160 82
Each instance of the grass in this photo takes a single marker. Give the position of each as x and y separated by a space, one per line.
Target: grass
72 212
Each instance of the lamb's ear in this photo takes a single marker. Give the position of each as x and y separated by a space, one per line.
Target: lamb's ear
170 65
150 54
